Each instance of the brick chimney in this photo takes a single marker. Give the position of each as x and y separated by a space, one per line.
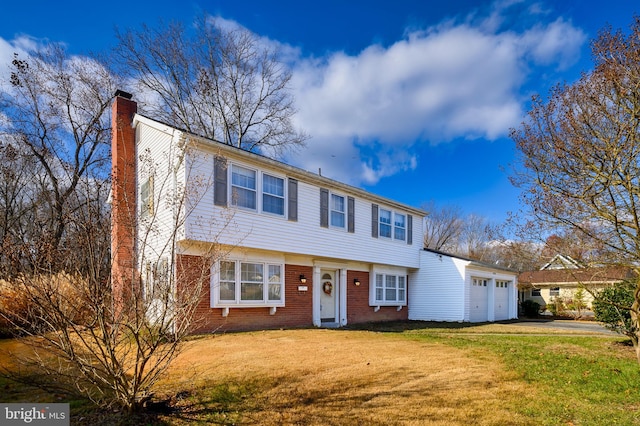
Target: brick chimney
124 277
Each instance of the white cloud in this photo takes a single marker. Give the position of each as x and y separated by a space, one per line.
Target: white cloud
449 81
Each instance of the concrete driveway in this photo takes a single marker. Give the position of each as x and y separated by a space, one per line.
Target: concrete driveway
570 325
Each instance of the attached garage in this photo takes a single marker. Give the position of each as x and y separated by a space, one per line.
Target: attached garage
453 288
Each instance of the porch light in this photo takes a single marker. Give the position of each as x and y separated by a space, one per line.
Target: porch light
356 281
303 279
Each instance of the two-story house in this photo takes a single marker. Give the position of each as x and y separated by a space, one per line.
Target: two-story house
287 247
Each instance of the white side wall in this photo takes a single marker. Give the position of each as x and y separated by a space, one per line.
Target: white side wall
158 156
437 290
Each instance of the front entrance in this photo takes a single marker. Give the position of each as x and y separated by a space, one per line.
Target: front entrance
328 300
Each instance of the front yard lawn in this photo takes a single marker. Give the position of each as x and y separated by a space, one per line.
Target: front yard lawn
402 374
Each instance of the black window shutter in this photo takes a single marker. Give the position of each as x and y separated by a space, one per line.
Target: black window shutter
351 206
409 229
220 181
374 220
324 208
293 200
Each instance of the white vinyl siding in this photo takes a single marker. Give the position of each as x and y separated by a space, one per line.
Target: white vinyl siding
303 235
437 290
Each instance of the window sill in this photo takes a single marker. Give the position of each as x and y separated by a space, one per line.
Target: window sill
376 307
226 308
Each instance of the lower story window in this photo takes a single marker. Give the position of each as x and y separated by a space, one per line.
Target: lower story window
250 283
390 289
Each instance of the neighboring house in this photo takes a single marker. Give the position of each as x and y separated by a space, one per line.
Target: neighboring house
454 288
563 276
279 246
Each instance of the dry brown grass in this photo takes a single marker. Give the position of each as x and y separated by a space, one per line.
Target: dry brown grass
333 377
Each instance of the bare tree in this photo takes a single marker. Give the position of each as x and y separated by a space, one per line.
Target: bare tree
443 227
55 122
580 154
219 82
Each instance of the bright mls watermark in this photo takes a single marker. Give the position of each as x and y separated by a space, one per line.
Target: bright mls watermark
36 414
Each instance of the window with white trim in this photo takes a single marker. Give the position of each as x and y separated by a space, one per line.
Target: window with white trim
272 194
390 289
502 284
250 283
535 292
146 198
392 225
385 223
399 227
337 211
554 291
243 187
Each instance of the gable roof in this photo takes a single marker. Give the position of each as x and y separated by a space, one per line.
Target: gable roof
472 261
586 276
293 171
562 261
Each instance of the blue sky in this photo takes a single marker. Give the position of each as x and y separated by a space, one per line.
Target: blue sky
412 100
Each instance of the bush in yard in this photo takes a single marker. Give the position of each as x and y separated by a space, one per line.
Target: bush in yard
530 308
556 306
612 307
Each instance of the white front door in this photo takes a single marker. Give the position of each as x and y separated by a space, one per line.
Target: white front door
328 299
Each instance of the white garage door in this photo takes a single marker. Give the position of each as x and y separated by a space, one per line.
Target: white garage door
501 301
479 302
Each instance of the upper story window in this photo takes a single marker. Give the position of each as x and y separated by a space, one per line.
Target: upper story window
272 194
385 223
400 227
337 211
146 198
392 225
250 283
554 291
243 187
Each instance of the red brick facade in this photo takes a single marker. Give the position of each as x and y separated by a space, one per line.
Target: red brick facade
298 312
